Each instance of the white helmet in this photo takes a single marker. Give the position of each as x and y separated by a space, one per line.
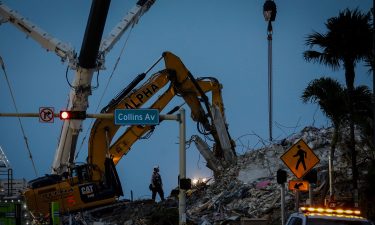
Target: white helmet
156 168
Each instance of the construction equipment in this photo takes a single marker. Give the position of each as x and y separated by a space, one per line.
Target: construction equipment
91 59
79 187
96 182
183 84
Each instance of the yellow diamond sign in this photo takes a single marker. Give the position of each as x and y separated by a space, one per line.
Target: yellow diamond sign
300 159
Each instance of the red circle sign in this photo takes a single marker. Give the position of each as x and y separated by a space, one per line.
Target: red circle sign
46 115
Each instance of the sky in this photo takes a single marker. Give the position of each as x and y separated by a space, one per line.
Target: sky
218 38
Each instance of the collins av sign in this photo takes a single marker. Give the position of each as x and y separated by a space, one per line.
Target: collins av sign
136 117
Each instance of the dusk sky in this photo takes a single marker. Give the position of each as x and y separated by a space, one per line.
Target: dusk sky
219 38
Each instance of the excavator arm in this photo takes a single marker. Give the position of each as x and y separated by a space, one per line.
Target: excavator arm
181 83
123 144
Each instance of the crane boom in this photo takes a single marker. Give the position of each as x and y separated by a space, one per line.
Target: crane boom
48 42
130 19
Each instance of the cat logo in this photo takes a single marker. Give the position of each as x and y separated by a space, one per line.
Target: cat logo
86 190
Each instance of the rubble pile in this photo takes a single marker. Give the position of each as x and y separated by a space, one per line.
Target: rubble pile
248 189
140 212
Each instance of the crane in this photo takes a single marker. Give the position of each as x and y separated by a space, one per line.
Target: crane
90 59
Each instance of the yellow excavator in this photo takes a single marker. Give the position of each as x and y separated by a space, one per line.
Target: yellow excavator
96 182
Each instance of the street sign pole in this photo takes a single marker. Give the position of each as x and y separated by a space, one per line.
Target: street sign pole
310 196
282 189
182 194
297 199
182 161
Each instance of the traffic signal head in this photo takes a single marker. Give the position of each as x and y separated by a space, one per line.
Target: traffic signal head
281 176
185 184
311 176
72 115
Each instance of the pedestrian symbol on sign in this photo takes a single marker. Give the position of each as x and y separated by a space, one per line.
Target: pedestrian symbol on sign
300 158
302 155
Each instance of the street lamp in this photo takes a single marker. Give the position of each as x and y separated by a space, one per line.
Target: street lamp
269 10
373 70
269 13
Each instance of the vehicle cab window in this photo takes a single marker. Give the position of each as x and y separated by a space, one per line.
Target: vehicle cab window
295 221
81 174
327 216
322 221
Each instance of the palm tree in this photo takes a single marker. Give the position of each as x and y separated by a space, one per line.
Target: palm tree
330 96
346 42
363 113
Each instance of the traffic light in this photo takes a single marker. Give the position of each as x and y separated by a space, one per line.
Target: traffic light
72 115
281 176
311 176
185 184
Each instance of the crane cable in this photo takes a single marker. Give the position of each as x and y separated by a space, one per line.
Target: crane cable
105 90
19 119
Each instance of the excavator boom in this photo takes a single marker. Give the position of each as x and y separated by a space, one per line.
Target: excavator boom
182 84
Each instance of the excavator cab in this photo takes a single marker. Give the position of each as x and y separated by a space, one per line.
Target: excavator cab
82 173
79 174
95 190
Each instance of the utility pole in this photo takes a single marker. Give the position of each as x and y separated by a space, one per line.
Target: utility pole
269 13
281 177
373 72
182 194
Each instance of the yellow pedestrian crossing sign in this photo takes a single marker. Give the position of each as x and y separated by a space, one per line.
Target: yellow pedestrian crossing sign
300 159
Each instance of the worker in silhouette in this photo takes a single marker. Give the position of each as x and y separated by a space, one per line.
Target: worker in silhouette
302 155
156 185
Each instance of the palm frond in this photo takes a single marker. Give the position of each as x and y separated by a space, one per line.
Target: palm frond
329 95
347 41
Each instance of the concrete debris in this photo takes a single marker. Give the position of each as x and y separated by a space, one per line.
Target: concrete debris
248 190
